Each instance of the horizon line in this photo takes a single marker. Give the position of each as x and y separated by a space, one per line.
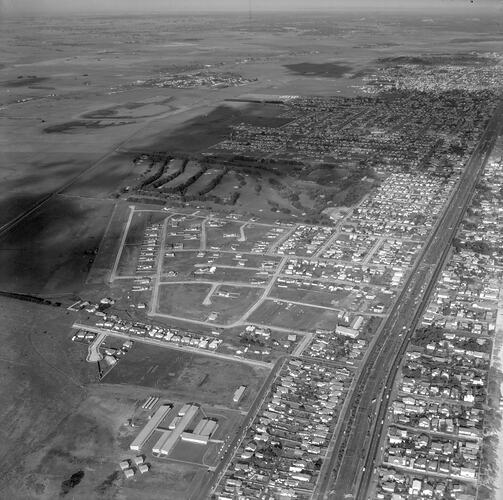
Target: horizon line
197 12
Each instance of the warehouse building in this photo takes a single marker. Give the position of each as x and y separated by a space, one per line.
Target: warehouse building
194 438
202 432
239 394
149 428
169 438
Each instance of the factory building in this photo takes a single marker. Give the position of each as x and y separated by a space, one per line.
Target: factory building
156 450
172 429
183 409
202 432
149 428
169 438
194 438
209 428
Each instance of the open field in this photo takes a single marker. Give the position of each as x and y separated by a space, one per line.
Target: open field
207 380
109 245
181 480
139 222
297 317
329 69
49 252
132 110
94 438
184 300
58 422
49 375
200 133
194 301
231 302
344 297
128 260
193 452
27 178
114 173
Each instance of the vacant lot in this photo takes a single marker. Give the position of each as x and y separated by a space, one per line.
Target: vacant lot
139 223
186 376
231 302
296 317
191 301
225 236
128 260
184 300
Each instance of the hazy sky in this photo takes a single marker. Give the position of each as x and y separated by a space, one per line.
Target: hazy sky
90 6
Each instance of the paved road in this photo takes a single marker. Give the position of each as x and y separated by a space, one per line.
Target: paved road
202 243
266 293
352 462
170 345
242 235
278 242
122 243
154 299
93 352
231 449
